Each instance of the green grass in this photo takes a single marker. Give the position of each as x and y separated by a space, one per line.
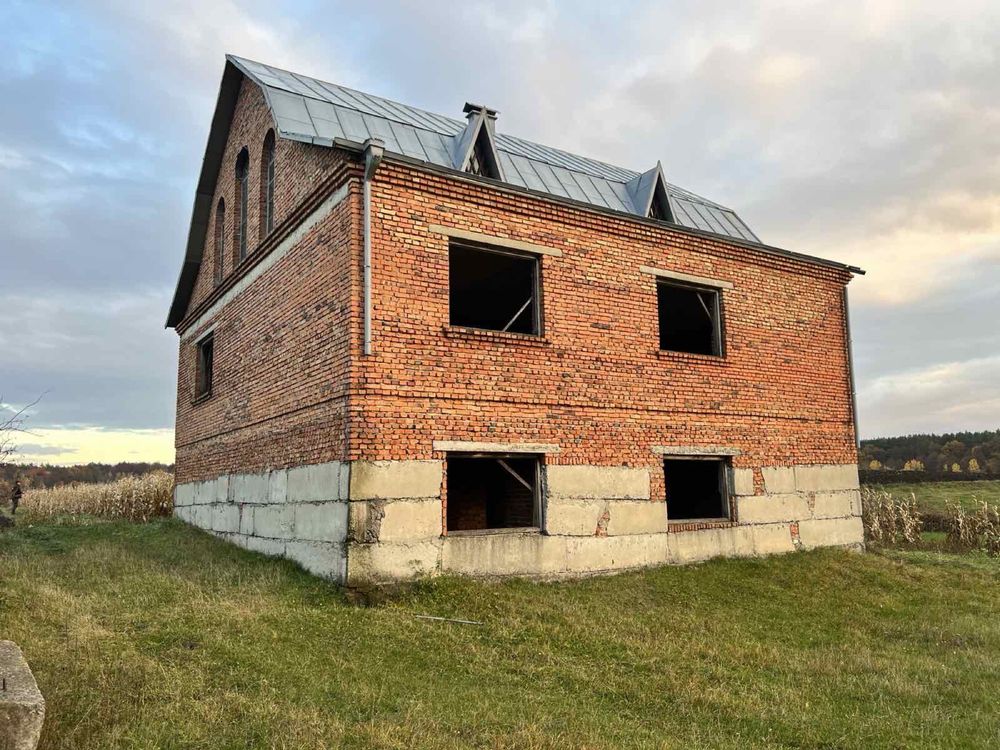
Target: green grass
158 636
933 496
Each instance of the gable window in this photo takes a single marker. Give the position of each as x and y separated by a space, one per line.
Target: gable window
242 203
267 185
689 318
220 240
497 290
697 488
492 492
204 366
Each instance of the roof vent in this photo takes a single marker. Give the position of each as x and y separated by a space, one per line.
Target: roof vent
471 109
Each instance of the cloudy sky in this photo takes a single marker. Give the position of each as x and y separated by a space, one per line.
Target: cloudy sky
864 132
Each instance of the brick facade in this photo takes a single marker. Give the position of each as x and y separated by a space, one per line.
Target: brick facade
291 387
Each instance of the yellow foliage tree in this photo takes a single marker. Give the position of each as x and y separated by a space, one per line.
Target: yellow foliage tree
874 464
914 464
973 466
956 469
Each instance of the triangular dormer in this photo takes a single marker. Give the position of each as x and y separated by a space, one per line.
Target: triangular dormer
474 149
649 194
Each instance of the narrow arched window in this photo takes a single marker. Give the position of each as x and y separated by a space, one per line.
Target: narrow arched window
242 203
267 185
220 239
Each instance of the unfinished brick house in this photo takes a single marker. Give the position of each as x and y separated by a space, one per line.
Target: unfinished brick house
410 344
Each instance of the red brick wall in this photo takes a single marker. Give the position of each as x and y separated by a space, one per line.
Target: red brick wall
299 168
596 383
279 394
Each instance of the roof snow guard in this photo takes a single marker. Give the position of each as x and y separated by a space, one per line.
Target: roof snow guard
325 114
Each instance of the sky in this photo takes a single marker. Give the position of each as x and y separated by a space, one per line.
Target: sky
862 132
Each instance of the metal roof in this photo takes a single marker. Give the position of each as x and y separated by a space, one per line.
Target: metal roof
307 109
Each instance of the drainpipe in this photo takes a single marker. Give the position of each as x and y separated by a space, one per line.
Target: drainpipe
850 370
373 149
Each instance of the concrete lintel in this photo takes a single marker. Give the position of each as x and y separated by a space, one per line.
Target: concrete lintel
689 278
691 450
486 239
468 446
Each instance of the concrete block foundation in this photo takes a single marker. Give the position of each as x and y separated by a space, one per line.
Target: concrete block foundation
361 522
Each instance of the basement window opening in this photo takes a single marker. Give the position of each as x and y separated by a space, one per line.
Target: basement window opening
494 290
697 489
205 364
689 318
492 492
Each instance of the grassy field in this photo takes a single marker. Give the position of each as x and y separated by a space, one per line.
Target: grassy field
933 496
159 636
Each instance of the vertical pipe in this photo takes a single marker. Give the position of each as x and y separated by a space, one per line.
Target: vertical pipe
850 370
367 192
373 149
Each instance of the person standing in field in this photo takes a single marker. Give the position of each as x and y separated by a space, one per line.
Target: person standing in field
15 496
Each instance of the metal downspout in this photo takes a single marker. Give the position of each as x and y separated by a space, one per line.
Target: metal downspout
850 370
373 150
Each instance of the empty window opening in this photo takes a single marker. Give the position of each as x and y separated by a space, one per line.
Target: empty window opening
696 488
220 239
206 362
492 492
242 203
267 185
494 290
689 319
659 209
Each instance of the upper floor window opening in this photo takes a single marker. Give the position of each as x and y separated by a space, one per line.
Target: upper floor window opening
242 202
496 290
267 162
220 239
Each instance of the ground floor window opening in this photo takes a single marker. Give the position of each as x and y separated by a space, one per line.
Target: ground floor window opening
492 492
697 489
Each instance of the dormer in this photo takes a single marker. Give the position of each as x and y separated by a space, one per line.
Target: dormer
474 149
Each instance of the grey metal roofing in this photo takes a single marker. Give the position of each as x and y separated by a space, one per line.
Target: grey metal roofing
307 109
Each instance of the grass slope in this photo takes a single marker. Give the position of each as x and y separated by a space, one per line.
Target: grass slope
158 636
933 496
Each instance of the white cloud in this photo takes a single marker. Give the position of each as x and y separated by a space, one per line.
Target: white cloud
944 397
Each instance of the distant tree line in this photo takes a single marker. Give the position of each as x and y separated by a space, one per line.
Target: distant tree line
45 475
960 453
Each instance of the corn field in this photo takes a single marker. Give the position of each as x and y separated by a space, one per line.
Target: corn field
977 529
892 522
130 498
888 521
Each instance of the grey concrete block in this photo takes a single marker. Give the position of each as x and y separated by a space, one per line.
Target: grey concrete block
389 480
410 520
323 559
315 483
837 504
226 518
832 532
772 508
277 486
274 521
778 479
597 482
826 477
743 482
22 707
183 494
322 522
269 547
248 488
